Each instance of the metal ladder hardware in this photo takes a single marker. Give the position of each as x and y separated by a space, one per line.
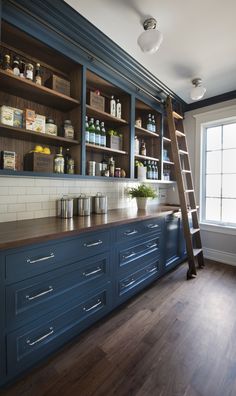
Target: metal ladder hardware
186 190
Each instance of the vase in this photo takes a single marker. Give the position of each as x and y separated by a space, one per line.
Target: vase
141 203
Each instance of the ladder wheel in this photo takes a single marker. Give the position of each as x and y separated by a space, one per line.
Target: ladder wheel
190 275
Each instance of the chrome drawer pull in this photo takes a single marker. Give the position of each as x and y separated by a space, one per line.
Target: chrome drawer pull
93 306
41 259
32 343
129 255
30 298
128 233
151 270
152 246
92 272
151 226
92 244
128 284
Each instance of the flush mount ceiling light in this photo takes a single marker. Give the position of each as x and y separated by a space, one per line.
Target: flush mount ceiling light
198 91
150 40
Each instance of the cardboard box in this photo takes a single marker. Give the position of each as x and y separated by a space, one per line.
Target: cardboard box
58 84
115 142
97 101
38 162
6 115
8 160
34 122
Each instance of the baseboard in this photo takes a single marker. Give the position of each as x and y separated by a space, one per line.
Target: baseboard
222 257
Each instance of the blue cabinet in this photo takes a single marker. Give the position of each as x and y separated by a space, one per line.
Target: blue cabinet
174 243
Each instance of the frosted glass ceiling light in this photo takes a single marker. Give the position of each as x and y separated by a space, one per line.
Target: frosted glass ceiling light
150 40
198 91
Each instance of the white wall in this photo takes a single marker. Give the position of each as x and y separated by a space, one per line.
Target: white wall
220 246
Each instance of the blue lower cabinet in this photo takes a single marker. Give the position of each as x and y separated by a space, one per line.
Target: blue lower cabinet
31 343
172 250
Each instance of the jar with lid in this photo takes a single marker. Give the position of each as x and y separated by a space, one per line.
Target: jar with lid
16 66
51 127
59 162
29 71
68 130
111 167
69 163
143 150
7 63
117 172
38 78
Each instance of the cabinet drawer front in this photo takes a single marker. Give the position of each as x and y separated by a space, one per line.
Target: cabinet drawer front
139 250
138 229
151 225
29 344
30 262
35 297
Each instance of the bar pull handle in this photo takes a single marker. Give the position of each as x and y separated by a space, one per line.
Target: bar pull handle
92 272
151 270
30 261
49 290
125 257
32 343
151 245
96 243
93 306
152 226
128 284
128 233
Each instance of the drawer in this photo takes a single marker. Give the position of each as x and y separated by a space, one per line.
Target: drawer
138 250
137 229
36 297
28 345
26 263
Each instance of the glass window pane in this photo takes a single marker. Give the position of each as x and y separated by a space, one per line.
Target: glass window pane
229 136
229 210
213 162
213 209
229 186
229 161
213 185
214 138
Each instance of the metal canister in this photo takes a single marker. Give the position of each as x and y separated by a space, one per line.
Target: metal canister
65 207
91 168
84 205
100 203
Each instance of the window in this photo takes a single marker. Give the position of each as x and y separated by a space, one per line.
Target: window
219 174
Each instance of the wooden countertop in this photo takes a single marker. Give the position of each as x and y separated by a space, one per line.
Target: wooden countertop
19 233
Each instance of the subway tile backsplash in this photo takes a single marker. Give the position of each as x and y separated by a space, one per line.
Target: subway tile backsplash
30 198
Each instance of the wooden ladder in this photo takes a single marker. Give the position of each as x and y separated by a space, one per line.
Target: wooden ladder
186 190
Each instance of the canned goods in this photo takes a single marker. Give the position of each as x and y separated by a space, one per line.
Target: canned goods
91 168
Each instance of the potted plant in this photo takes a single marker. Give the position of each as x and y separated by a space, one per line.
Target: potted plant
142 193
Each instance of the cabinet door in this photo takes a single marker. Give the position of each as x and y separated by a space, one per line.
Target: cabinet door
172 240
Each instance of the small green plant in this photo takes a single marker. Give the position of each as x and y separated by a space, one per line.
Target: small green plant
142 191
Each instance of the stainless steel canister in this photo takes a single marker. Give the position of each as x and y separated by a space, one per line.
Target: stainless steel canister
84 204
65 207
100 203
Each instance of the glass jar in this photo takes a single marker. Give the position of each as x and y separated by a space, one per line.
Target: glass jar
51 127
59 162
29 71
117 172
68 130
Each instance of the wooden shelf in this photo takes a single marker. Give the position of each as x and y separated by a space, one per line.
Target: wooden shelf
93 147
103 116
145 157
22 134
168 162
145 132
156 181
37 93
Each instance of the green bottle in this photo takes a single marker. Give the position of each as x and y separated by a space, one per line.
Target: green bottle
103 135
86 130
97 134
91 131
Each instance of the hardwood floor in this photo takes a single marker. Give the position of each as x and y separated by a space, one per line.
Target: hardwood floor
176 338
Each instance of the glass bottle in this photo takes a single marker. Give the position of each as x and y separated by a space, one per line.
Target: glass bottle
153 124
97 133
153 170
29 71
104 170
113 106
86 130
38 78
59 162
136 145
118 109
69 163
7 63
111 166
16 66
1 61
103 141
22 69
91 131
149 123
149 170
143 150
156 171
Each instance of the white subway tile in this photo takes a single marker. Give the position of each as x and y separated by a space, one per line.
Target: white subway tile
17 190
16 207
3 208
25 215
8 217
34 190
4 190
41 213
31 206
8 199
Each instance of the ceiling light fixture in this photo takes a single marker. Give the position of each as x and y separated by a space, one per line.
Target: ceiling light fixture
151 39
198 91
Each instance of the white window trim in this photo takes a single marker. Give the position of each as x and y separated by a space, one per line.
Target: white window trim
203 120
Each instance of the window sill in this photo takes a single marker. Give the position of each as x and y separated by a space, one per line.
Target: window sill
218 228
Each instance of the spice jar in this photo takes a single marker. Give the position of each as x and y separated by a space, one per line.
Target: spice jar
7 63
29 71
50 127
68 130
117 172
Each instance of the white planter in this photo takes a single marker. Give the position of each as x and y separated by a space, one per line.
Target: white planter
142 203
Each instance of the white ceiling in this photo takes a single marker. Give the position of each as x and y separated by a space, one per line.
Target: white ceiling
199 38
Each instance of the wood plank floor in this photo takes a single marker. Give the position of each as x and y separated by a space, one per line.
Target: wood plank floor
176 338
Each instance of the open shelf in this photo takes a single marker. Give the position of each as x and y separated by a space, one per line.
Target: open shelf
168 162
145 132
22 134
156 181
37 93
145 157
104 149
103 116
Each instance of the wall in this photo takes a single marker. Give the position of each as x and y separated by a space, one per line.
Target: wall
29 198
218 245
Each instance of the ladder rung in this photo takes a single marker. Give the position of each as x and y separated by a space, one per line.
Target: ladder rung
186 171
178 133
194 230
183 152
189 191
192 210
177 116
196 252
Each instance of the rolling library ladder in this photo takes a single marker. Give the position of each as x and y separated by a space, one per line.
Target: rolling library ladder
186 191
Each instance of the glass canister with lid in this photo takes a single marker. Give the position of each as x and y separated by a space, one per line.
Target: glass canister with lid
51 127
68 130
